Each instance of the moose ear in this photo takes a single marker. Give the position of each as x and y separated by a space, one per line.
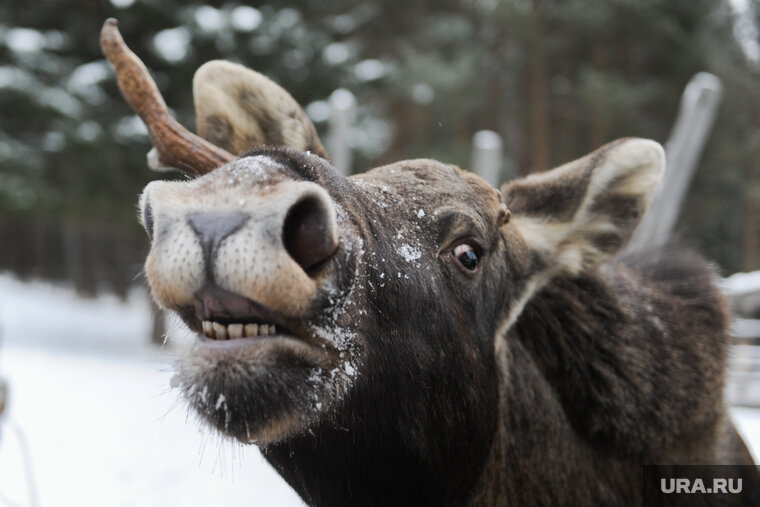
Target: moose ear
237 109
580 214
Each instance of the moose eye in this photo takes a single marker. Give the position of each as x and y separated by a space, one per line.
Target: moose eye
467 256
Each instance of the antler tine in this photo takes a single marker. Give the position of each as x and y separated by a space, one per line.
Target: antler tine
175 145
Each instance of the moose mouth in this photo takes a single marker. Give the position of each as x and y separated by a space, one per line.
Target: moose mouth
252 372
225 318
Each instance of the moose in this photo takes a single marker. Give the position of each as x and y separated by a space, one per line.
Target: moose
413 336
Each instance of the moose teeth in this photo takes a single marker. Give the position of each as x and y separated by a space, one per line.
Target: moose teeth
219 331
235 331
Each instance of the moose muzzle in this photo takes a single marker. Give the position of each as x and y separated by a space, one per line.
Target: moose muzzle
261 239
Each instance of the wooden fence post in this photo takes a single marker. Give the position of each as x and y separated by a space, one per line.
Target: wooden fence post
342 106
696 115
487 156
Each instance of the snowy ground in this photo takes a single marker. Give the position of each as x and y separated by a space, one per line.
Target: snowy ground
102 427
92 402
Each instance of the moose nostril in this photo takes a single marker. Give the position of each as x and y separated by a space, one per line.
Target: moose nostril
309 232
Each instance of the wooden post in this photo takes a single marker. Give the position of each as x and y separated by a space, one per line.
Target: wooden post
696 115
342 106
487 156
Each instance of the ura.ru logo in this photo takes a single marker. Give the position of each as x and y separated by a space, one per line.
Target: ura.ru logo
718 485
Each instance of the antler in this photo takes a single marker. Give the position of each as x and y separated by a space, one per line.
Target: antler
175 146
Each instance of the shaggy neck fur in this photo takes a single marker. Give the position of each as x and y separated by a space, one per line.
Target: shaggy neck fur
597 377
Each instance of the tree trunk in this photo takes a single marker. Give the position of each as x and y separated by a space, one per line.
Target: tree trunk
539 95
751 210
158 332
597 121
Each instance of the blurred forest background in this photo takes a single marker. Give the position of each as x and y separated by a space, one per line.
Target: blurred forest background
556 78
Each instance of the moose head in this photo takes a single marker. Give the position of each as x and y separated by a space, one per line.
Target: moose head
359 329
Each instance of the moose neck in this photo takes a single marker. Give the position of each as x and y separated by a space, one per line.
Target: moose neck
547 372
375 461
419 457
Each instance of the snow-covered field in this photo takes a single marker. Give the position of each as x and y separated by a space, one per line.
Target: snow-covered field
102 427
91 401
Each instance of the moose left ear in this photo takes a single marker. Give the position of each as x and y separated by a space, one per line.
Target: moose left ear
580 214
237 108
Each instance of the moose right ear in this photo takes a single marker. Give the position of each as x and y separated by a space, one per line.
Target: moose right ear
580 214
237 109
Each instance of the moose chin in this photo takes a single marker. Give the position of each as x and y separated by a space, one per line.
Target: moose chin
411 335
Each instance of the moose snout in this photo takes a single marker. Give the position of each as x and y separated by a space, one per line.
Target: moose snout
308 230
265 243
